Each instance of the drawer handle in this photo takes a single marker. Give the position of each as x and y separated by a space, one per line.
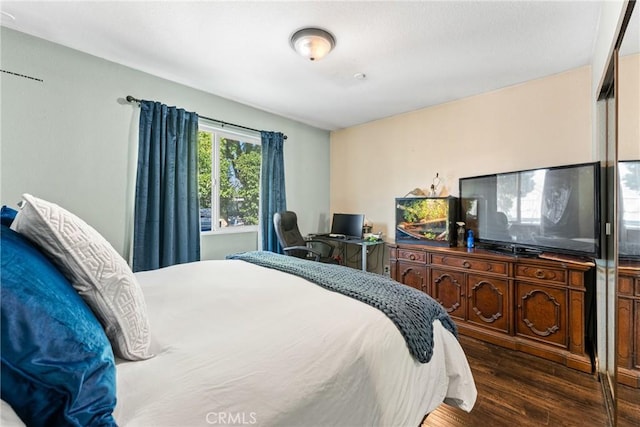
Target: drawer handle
539 274
412 257
466 264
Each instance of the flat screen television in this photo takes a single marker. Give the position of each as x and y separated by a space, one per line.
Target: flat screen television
555 209
629 210
348 225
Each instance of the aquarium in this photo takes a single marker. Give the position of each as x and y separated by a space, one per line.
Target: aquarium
426 220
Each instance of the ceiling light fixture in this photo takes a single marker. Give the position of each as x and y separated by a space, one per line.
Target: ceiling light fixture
312 43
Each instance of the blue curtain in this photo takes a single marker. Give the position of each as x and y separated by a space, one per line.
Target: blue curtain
273 198
166 220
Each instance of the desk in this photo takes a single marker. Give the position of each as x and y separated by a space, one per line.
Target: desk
363 243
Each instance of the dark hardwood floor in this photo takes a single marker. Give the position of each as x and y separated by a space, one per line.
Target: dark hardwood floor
517 389
628 406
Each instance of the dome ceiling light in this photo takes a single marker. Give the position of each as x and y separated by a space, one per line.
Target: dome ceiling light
312 43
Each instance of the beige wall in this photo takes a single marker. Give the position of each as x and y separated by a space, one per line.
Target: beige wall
544 122
629 108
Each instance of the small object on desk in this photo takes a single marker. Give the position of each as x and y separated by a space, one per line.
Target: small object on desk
337 236
371 237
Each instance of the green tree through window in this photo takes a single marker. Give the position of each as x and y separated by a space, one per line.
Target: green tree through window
204 169
228 179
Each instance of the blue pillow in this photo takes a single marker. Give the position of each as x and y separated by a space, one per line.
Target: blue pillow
7 215
57 364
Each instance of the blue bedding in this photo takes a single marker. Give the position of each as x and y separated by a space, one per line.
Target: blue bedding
57 366
411 310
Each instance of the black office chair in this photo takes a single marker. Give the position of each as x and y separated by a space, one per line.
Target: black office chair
293 244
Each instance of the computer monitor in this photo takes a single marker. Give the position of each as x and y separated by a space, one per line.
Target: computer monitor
348 224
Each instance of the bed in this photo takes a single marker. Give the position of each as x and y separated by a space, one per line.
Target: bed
228 342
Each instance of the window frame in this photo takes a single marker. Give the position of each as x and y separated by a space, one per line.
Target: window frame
219 132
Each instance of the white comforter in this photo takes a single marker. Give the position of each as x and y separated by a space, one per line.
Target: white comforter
239 344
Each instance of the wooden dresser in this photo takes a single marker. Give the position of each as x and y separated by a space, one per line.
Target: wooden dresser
534 305
629 324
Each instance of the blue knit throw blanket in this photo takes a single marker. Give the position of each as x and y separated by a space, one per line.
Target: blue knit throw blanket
411 310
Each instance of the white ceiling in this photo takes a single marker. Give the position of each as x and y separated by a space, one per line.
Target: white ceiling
414 54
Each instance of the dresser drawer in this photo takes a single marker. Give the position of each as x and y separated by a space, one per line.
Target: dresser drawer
484 266
625 286
545 274
412 255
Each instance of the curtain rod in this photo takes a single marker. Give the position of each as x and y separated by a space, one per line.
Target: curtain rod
130 98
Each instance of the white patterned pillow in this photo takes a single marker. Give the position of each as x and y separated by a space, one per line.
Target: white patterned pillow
99 274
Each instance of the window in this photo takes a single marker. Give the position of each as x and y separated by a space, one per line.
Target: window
228 180
520 196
